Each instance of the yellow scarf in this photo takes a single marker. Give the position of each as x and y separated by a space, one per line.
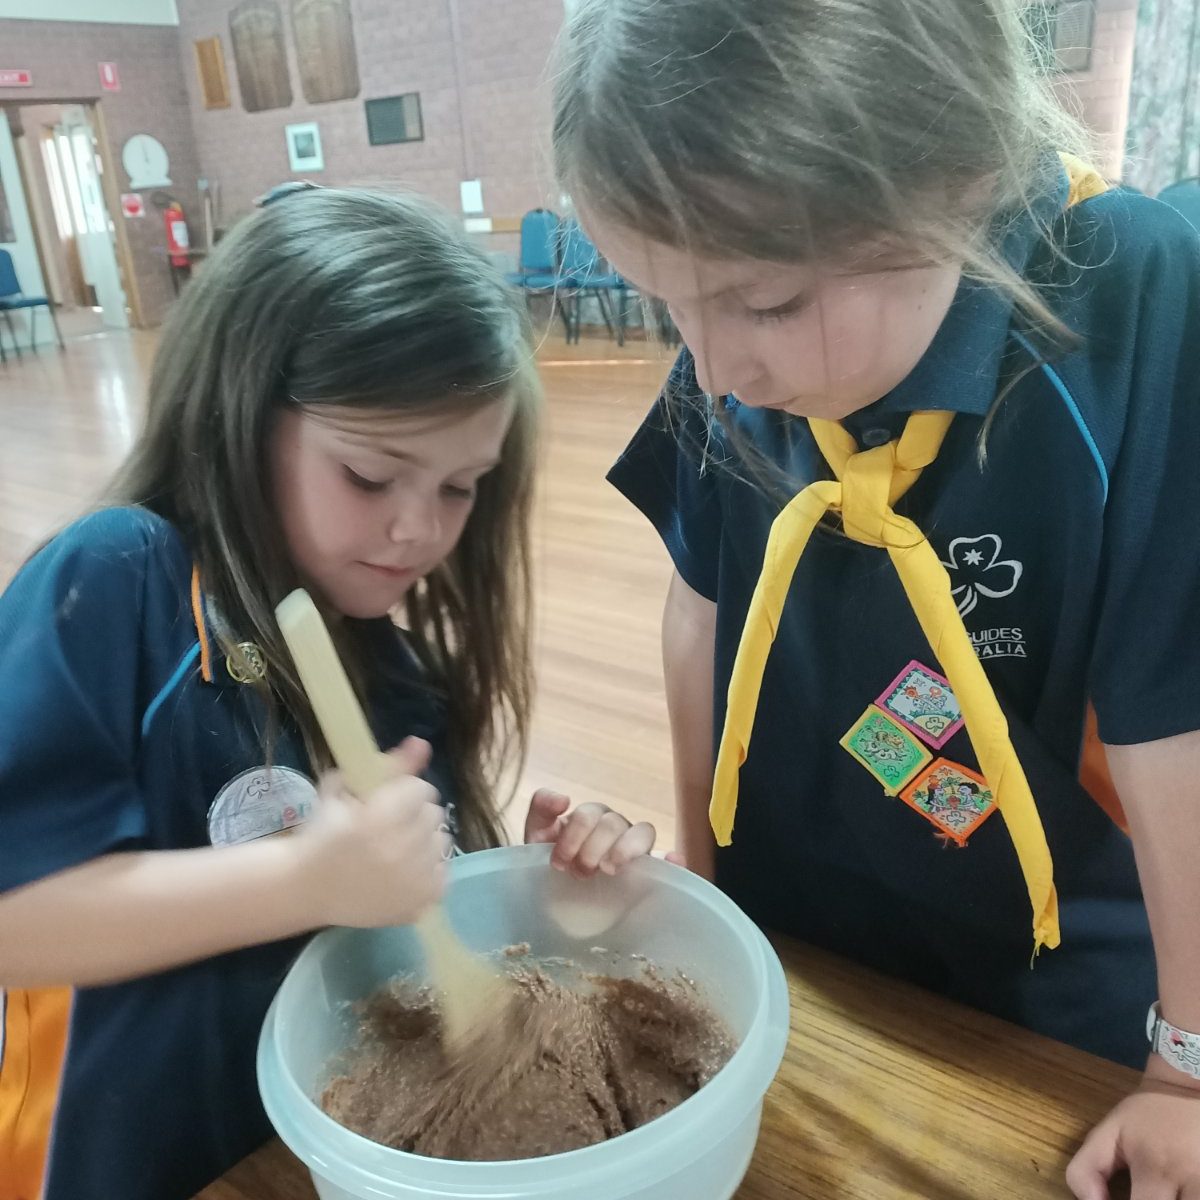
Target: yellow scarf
868 483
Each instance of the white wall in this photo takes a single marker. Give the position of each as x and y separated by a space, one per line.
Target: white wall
24 249
115 12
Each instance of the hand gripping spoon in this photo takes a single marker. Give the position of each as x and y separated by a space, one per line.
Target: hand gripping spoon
475 997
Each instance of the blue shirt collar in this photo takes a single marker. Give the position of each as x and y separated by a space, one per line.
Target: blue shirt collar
961 369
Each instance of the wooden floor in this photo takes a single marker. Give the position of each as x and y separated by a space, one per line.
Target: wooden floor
67 418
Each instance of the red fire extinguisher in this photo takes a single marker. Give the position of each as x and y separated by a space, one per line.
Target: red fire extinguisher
178 242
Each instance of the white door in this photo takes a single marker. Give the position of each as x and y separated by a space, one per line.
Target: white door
93 227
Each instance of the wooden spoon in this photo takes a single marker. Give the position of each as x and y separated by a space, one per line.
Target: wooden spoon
474 995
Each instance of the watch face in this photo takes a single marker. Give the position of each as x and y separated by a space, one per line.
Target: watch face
1180 1048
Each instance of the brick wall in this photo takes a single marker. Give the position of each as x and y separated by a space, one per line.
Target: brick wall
492 129
506 93
1100 95
64 58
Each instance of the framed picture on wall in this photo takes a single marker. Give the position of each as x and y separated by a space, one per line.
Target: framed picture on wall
394 119
304 147
210 67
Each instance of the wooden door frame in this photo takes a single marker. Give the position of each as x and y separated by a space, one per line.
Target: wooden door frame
108 188
75 284
27 187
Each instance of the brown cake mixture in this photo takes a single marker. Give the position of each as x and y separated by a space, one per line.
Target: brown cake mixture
566 1067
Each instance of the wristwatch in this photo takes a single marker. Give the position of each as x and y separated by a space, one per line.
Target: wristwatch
1180 1048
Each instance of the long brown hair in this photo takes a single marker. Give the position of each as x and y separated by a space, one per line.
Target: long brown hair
813 130
366 299
793 130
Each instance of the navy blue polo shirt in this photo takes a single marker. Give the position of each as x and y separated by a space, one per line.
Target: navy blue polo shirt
1073 555
113 741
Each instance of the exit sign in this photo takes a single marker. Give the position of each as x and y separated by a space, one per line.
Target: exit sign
15 77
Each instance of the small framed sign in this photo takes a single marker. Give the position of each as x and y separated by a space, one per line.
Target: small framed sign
304 147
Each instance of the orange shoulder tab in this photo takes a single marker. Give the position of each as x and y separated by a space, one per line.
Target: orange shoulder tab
34 1049
1086 181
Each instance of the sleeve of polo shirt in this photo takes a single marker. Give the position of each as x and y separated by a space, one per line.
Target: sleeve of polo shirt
70 632
664 472
1145 673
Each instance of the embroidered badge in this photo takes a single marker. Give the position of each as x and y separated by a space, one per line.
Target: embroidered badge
955 799
921 700
886 749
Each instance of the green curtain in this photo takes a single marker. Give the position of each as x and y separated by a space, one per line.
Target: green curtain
1163 139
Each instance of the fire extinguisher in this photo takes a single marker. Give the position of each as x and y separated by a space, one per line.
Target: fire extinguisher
178 241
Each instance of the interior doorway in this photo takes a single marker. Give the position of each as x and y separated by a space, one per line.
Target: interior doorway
62 159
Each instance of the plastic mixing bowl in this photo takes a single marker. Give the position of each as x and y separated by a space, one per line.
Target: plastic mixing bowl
497 898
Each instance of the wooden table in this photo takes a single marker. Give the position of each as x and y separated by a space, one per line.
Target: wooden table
885 1092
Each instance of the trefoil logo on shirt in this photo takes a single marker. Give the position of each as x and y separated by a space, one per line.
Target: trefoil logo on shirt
977 571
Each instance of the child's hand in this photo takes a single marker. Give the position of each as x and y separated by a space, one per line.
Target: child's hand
590 839
1154 1134
378 861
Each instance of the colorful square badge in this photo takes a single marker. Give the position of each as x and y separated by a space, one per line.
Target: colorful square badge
921 700
886 749
953 798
